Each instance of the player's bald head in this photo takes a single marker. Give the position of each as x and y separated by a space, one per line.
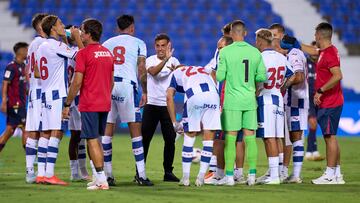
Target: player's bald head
238 28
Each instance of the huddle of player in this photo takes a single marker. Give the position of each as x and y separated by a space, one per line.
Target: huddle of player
279 84
250 102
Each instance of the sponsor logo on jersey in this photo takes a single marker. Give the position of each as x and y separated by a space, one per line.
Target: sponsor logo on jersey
118 99
102 54
206 106
48 106
281 113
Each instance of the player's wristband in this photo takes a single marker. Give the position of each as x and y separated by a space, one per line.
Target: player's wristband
66 105
320 91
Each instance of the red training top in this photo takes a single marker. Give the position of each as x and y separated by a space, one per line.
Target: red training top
96 64
15 74
328 59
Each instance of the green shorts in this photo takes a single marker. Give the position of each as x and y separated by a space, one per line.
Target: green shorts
232 120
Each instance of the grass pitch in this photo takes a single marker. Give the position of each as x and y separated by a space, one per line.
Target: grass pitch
13 188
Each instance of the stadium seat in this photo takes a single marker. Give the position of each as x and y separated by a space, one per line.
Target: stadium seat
198 29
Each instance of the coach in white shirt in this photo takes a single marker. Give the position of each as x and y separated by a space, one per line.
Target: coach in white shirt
159 68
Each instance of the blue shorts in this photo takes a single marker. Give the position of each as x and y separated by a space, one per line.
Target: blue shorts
93 124
16 116
220 135
328 119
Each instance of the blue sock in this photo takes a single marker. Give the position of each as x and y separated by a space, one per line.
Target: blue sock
311 141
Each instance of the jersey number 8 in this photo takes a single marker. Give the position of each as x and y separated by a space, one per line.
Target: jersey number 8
119 54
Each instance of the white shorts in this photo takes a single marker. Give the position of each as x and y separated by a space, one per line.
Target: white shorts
297 119
33 116
124 103
202 112
51 115
75 118
270 121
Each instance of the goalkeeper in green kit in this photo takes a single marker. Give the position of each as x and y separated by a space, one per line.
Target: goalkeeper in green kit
241 65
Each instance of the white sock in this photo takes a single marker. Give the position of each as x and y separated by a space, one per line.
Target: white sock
42 153
31 152
330 171
213 163
337 171
238 172
298 156
274 167
92 168
107 147
138 151
74 166
187 154
206 155
82 158
100 177
52 152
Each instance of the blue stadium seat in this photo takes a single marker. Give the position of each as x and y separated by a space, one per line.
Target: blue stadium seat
194 26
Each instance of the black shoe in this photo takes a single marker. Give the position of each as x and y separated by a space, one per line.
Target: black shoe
170 177
143 182
111 181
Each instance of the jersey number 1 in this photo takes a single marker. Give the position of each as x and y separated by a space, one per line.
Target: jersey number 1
246 63
119 54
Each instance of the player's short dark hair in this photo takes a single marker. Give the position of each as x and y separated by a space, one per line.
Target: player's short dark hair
47 23
20 45
325 29
228 40
162 36
94 28
37 18
277 26
238 27
226 29
125 21
236 23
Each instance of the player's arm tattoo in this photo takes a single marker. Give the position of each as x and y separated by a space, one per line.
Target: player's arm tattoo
142 73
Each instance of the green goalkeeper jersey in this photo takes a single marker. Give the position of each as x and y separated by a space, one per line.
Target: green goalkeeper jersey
241 65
